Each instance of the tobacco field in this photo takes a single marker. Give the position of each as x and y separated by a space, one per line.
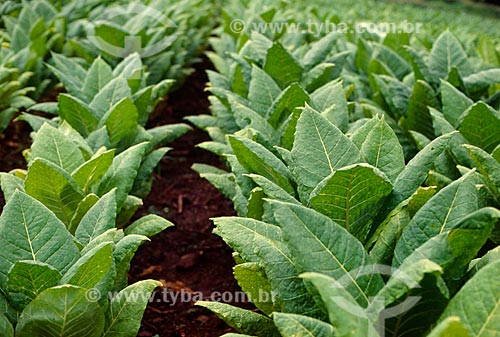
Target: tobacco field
205 168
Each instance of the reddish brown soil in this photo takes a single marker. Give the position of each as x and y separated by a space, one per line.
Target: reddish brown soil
187 258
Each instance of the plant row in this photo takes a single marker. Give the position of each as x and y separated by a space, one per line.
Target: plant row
67 234
364 169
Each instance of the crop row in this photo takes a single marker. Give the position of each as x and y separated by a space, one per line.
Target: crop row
65 252
364 169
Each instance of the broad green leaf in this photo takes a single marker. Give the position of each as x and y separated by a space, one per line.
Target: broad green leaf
282 66
124 314
440 214
91 267
123 254
292 97
31 232
348 318
99 218
381 149
120 121
257 159
113 92
454 102
319 149
450 326
27 279
98 76
291 325
83 207
331 102
453 250
144 180
52 145
148 225
90 172
351 197
480 124
318 244
6 328
257 241
319 50
477 304
10 183
244 321
61 311
123 172
263 91
447 53
487 166
253 281
482 79
418 116
271 189
415 172
70 73
55 188
77 113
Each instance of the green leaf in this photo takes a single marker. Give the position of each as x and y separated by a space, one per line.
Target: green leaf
77 113
6 328
454 103
415 172
292 97
98 75
123 254
55 188
319 50
31 232
124 314
480 124
477 304
91 267
244 321
27 279
70 73
282 66
317 244
144 180
10 183
82 209
440 214
380 148
54 146
257 241
148 225
90 172
418 116
343 197
451 326
263 91
253 281
99 218
120 121
330 100
257 159
453 250
61 311
316 149
123 173
116 90
447 53
291 325
348 318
